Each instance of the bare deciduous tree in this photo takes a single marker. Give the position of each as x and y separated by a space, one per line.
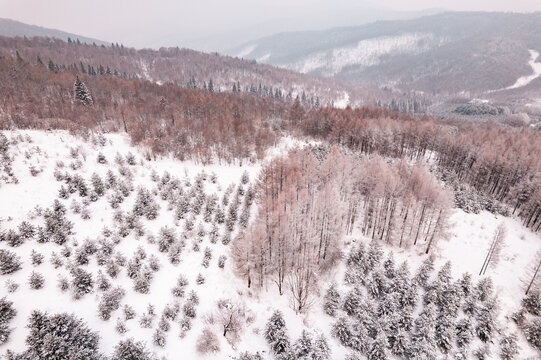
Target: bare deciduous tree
495 248
531 279
231 316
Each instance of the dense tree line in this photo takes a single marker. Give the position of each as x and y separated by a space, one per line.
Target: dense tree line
192 123
528 318
499 162
171 65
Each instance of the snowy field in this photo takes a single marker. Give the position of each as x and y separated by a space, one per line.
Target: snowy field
48 153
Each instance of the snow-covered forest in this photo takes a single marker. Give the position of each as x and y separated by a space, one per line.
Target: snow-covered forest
124 254
228 219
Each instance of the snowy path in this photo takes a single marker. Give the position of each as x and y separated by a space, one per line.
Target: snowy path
525 80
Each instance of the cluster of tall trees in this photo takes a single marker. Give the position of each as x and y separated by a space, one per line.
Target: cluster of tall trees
397 203
411 102
298 229
306 206
497 161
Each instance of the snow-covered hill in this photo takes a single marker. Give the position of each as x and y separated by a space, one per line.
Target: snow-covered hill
366 53
446 53
106 235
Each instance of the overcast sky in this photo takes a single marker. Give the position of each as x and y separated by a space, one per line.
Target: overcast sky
179 22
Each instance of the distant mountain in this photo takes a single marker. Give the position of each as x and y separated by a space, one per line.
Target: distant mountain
12 28
448 53
222 40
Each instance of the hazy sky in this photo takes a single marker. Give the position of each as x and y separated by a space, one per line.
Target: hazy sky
180 22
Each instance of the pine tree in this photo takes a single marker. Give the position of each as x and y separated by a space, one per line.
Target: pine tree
422 339
341 330
360 338
400 343
373 256
81 92
61 337
484 289
377 284
532 303
303 347
9 262
352 301
401 282
52 66
389 266
276 333
532 331
131 350
7 313
463 332
466 284
424 272
321 350
444 332
485 316
378 348
331 300
508 347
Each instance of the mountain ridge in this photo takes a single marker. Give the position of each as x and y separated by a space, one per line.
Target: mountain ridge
13 28
451 40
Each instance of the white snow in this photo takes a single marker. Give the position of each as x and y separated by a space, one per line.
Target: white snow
263 58
144 68
246 51
342 102
366 52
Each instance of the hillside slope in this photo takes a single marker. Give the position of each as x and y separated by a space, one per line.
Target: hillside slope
443 53
12 28
181 67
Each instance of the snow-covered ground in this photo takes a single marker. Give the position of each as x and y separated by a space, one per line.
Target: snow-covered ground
343 102
525 80
48 151
246 51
